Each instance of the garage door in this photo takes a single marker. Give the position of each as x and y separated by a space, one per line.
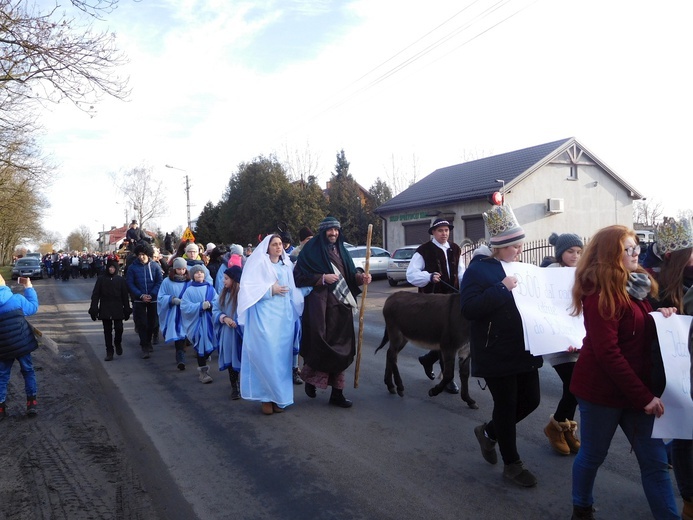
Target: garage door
475 229
416 233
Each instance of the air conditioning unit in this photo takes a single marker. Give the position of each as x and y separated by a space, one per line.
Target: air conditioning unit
555 206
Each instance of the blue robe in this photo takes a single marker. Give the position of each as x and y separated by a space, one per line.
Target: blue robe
170 316
197 322
228 338
270 335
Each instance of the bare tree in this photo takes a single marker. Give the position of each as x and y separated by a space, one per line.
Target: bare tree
300 165
79 239
400 178
684 214
647 212
49 57
144 193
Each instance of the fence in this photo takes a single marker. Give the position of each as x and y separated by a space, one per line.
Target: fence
533 251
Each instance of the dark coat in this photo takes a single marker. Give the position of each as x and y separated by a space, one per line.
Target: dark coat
143 279
497 336
109 299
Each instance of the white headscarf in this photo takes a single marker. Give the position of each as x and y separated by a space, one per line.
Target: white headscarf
259 276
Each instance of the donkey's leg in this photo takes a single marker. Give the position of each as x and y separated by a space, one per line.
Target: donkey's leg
447 358
390 367
464 382
397 347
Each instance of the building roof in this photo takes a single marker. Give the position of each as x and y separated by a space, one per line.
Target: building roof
478 179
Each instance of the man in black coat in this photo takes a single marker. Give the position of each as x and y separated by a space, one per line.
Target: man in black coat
110 303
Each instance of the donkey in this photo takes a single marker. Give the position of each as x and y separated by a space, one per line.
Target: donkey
432 322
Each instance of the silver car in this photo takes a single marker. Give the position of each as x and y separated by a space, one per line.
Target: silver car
397 267
378 262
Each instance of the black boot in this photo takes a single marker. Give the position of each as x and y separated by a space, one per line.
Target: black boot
427 361
583 513
337 399
109 354
233 377
464 384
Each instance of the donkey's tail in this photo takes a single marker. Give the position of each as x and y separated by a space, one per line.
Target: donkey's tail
386 338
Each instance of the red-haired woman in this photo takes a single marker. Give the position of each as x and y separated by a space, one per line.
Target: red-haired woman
612 376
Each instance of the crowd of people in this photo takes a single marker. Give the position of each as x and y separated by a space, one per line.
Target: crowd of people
260 310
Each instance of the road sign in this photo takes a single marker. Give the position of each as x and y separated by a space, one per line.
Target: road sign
188 235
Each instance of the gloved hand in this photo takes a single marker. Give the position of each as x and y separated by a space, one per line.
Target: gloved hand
93 315
126 317
175 301
206 305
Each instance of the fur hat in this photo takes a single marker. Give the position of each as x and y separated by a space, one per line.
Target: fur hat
192 246
144 248
503 227
304 233
286 237
234 272
564 242
180 263
195 268
673 236
440 222
329 223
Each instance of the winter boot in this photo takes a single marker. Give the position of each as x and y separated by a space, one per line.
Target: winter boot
337 399
119 349
235 392
31 406
582 513
487 445
555 432
571 438
109 354
517 473
3 411
297 377
686 512
204 375
464 384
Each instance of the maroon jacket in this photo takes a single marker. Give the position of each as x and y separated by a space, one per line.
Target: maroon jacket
615 364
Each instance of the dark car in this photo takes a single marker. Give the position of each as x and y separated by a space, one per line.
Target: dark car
27 267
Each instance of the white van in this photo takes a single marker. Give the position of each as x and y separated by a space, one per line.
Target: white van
645 235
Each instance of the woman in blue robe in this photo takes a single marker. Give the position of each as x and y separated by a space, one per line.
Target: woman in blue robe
269 310
196 307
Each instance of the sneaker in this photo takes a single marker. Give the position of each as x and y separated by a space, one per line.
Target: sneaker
181 366
517 473
204 375
31 406
3 411
488 446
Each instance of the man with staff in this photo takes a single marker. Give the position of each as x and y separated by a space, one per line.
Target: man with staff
328 342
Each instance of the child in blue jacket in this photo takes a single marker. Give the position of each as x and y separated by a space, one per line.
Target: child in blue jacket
17 341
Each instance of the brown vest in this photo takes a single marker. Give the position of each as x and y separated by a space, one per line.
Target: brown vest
435 261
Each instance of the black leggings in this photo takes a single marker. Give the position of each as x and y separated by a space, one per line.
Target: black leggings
514 398
567 405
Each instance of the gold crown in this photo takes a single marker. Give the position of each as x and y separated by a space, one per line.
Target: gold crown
673 236
500 219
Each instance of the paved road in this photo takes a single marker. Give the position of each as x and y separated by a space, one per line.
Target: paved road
415 457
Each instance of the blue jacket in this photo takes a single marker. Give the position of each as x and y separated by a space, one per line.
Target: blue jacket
16 336
144 279
497 337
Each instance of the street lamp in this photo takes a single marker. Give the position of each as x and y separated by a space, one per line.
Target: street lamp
187 190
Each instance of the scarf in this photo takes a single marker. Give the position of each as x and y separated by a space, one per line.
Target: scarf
315 259
638 285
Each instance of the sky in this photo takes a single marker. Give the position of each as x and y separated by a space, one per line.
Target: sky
403 87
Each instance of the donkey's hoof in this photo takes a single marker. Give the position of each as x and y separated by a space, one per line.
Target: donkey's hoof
400 392
433 392
472 403
391 389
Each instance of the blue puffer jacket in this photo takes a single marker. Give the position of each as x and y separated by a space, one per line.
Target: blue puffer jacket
144 279
16 336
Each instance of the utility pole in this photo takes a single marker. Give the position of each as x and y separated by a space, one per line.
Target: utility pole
187 190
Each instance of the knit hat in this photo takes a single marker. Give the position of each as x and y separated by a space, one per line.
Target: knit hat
564 242
234 272
236 249
192 246
329 223
210 247
180 263
195 268
304 233
673 236
503 227
440 222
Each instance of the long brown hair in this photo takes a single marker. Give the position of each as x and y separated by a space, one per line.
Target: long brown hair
601 270
231 294
671 277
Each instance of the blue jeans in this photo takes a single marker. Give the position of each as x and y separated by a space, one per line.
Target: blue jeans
597 428
27 369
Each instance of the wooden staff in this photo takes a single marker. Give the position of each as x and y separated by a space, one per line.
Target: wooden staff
367 267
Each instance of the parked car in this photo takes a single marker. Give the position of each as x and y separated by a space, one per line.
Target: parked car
397 267
27 267
378 261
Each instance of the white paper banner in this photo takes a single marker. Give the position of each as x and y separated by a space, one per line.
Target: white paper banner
543 297
677 421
